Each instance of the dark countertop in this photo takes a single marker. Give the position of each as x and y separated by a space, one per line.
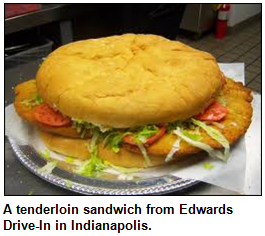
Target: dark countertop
20 181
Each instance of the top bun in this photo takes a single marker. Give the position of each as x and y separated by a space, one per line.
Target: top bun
129 80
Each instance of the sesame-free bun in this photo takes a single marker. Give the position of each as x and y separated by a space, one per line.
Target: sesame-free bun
129 80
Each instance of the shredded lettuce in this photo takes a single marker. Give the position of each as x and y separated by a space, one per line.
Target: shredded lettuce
69 184
171 126
216 135
203 146
194 136
208 166
45 154
114 139
38 99
140 136
143 151
48 168
69 160
83 133
173 150
145 132
30 103
93 149
83 127
184 125
104 128
94 165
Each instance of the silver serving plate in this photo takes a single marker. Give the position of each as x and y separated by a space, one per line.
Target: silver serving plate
92 186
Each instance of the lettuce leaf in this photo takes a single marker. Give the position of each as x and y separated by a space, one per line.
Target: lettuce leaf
207 166
171 126
69 184
216 135
173 150
212 152
114 139
69 160
184 125
94 165
145 155
45 154
48 168
145 133
38 99
32 102
82 127
193 136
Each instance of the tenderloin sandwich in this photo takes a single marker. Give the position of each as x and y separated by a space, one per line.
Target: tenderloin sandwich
134 101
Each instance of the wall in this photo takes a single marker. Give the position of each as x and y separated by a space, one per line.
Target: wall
241 12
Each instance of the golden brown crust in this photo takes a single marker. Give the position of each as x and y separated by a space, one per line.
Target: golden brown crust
236 123
129 80
28 90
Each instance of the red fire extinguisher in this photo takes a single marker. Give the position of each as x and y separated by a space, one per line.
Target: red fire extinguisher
221 25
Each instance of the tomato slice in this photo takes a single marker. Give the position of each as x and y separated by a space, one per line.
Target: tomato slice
48 116
129 138
214 112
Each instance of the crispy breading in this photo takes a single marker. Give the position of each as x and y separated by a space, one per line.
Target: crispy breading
28 90
235 124
237 121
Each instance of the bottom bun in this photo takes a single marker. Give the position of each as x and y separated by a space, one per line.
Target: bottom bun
78 148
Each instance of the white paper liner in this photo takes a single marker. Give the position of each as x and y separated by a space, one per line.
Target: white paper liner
232 174
253 148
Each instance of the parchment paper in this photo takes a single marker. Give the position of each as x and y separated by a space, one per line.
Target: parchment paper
241 173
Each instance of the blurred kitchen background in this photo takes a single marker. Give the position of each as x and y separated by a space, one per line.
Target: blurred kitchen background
231 32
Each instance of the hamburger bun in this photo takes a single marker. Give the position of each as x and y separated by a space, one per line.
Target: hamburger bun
129 80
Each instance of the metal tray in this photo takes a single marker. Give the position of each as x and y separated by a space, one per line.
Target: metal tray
92 186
